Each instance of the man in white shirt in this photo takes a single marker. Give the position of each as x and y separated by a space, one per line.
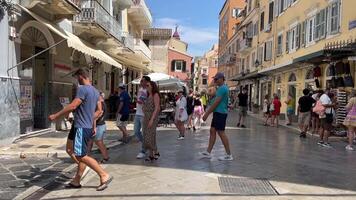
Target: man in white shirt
141 99
326 119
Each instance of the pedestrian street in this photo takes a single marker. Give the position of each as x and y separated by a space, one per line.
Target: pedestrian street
269 163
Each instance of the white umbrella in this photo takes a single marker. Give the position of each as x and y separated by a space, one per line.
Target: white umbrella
164 81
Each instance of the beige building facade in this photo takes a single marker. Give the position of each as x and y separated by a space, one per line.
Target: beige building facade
288 40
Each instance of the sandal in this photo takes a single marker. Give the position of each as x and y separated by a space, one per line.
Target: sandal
72 186
104 160
105 184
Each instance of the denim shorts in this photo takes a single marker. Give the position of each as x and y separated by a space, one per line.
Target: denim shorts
100 132
219 121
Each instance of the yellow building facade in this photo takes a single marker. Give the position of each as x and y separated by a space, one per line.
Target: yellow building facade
284 41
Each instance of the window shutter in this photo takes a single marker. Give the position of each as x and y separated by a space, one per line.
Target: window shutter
297 37
317 26
287 41
303 34
262 25
265 52
276 6
184 68
173 65
325 20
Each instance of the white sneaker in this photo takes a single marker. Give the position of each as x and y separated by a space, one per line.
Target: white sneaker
227 157
181 138
140 155
205 154
349 148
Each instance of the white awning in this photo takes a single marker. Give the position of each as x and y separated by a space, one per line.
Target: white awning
74 41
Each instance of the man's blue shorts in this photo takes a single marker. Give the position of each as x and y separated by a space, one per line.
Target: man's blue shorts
219 121
82 136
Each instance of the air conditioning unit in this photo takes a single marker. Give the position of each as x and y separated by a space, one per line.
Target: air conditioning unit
268 28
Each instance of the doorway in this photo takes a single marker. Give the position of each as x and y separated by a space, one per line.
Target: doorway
292 91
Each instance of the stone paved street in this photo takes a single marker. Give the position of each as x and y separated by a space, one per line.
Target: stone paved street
272 164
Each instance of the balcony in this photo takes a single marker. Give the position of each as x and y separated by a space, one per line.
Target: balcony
59 8
96 22
128 41
142 48
140 14
245 45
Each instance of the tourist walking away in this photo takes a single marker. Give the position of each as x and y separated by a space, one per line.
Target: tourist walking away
219 108
266 109
315 117
190 108
350 120
204 99
243 99
290 109
113 100
84 105
181 115
123 112
276 110
138 122
198 112
151 109
326 118
305 105
98 138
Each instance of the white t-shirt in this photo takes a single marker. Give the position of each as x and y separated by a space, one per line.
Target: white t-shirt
141 99
325 100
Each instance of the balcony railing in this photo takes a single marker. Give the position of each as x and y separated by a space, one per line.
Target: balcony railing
93 12
146 11
245 44
141 46
128 40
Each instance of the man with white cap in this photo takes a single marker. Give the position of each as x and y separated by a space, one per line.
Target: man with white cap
219 108
123 112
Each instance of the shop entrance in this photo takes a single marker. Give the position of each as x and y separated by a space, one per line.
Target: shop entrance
34 76
292 90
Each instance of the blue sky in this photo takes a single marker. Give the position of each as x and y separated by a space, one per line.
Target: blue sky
197 20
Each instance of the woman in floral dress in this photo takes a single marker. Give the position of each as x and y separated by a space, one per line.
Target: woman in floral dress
151 110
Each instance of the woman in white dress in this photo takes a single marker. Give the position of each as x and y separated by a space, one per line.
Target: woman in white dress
181 114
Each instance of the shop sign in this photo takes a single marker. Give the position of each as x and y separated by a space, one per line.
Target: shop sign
352 24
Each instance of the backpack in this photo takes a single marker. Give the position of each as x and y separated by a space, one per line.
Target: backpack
319 108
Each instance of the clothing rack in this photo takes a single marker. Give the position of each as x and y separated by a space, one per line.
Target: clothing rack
341 110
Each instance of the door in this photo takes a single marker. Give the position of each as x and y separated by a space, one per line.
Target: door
292 91
40 90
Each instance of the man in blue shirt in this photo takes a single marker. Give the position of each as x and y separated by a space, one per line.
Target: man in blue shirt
220 111
84 105
123 112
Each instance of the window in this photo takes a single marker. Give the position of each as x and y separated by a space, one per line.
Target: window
262 20
260 54
235 12
205 71
334 19
230 50
255 29
303 33
242 65
276 8
107 80
310 30
292 78
248 63
253 59
281 6
280 44
293 38
270 12
249 5
268 51
249 30
178 65
320 24
205 81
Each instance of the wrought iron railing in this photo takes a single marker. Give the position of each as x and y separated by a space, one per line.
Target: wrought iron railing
93 12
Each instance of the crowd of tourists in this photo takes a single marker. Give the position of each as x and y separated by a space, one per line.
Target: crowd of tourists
89 126
316 112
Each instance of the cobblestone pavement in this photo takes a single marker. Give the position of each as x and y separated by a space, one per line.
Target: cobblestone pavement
269 163
18 175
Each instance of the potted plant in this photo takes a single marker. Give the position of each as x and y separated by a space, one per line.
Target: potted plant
255 108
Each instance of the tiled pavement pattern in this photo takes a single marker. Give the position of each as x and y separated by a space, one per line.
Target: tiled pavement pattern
295 168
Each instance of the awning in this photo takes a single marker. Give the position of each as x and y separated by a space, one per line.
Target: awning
310 56
75 42
251 75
